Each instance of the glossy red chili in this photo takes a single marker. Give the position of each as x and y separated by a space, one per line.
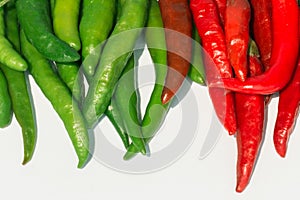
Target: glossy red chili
208 24
177 20
283 57
262 29
221 4
250 120
237 19
289 100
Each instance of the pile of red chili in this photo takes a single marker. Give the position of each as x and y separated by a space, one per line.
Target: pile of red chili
251 53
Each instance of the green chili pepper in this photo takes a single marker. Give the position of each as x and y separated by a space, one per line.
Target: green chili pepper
155 110
115 55
112 111
196 72
18 89
11 25
95 26
67 31
71 76
126 100
23 109
65 21
8 55
5 105
60 97
34 18
113 114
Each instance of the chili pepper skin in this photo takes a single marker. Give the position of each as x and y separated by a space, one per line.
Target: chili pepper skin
288 108
112 111
207 21
115 55
126 100
250 120
22 104
216 62
196 72
11 30
71 76
8 56
95 26
115 118
262 32
221 4
60 97
67 31
283 57
176 17
156 111
237 18
65 21
34 18
262 29
23 110
5 105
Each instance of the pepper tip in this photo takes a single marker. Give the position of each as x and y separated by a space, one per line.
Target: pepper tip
166 96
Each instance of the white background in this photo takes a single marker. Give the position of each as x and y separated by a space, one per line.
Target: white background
52 173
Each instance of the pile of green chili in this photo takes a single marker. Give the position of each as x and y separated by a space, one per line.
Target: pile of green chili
67 46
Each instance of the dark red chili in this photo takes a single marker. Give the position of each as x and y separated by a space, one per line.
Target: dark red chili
221 4
236 26
250 120
178 23
283 57
207 21
289 100
262 29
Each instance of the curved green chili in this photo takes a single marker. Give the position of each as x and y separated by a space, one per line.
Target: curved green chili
113 114
8 55
95 26
18 89
71 76
65 21
112 111
115 55
23 109
126 100
5 105
60 97
34 18
67 31
155 110
196 72
11 30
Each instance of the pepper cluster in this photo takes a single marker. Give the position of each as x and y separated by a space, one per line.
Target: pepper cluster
63 43
250 51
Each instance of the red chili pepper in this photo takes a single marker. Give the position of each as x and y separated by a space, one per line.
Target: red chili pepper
289 100
262 29
176 17
262 32
250 119
283 57
237 19
221 4
288 106
216 63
